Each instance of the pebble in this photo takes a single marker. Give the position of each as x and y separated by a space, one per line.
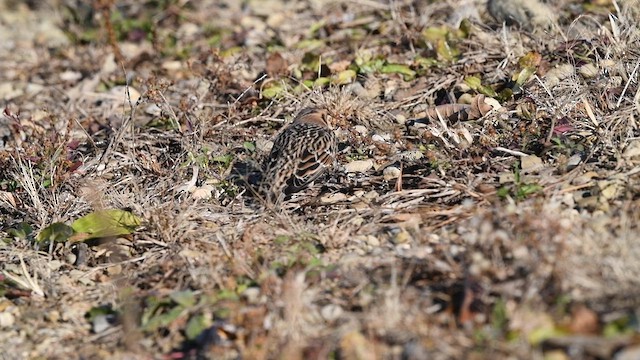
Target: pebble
531 164
7 320
358 166
391 172
252 294
412 155
589 71
362 130
331 312
154 110
333 198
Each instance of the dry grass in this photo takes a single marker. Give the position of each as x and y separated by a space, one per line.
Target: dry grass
512 235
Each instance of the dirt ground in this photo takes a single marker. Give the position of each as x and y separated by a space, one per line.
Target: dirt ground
486 204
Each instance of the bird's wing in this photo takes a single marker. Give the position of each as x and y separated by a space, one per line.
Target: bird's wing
316 156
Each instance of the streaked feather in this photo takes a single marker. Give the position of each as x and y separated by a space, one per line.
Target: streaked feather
301 153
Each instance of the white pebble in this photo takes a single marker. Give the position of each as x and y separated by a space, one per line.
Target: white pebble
358 166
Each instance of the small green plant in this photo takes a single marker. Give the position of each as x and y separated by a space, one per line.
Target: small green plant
21 231
519 189
303 250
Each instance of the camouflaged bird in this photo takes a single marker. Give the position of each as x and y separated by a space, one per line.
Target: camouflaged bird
302 152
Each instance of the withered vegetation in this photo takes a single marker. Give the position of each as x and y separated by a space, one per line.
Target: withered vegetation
486 204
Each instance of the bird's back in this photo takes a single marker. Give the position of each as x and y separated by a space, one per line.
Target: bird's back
300 154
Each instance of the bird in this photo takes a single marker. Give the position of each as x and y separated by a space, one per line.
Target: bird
527 14
301 152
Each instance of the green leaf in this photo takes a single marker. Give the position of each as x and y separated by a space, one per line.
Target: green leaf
426 63
440 37
273 90
406 72
249 146
528 189
528 66
281 239
344 77
466 28
619 327
196 325
224 159
499 317
317 26
524 75
503 192
309 44
185 298
475 83
372 66
56 232
163 320
446 51
106 223
226 294
321 81
434 34
505 94
231 51
22 231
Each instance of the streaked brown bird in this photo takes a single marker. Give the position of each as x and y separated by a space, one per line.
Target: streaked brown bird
301 152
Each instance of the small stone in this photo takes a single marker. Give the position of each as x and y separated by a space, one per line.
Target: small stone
401 119
373 241
412 155
53 316
362 130
355 346
401 236
202 192
100 323
109 64
609 189
358 166
8 91
187 30
391 172
357 89
81 277
378 138
32 88
333 198
521 252
172 65
371 195
153 109
531 164
70 76
357 221
331 312
54 265
632 151
589 71
263 145
276 20
574 161
557 74
7 320
359 193
252 294
122 91
628 353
